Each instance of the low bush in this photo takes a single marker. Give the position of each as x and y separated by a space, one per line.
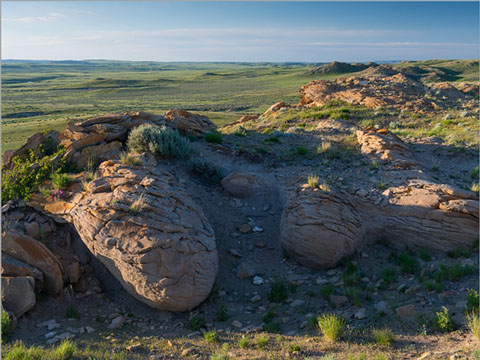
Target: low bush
6 326
206 170
443 321
222 313
472 300
61 181
273 327
159 140
278 290
196 322
213 138
211 336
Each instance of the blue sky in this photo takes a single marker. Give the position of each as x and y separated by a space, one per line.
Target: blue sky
240 31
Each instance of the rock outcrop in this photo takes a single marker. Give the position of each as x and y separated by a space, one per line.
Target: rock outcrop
320 228
185 121
18 294
396 91
140 223
241 184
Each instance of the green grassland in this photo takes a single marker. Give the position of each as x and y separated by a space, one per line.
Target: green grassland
45 95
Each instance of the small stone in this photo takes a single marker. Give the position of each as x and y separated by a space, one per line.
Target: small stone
381 306
322 281
117 322
361 314
244 228
237 324
406 311
257 229
260 244
338 300
331 272
256 298
257 280
50 334
245 270
424 355
33 229
235 253
89 329
297 303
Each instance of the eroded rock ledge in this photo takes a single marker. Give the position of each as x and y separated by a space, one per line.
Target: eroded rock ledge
319 229
165 255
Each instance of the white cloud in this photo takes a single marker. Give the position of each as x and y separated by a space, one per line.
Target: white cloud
50 17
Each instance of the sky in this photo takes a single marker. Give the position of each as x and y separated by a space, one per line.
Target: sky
240 31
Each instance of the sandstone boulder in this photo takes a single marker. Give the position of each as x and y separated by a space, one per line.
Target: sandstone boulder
185 121
12 267
320 228
162 250
241 184
32 252
18 294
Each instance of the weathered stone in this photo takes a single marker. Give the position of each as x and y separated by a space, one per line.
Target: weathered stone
406 311
18 295
165 255
27 249
12 267
338 300
33 229
245 270
187 122
241 184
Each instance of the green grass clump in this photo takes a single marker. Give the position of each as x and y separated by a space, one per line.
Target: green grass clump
408 263
222 313
128 159
262 342
240 131
61 181
443 321
65 350
331 326
278 290
206 170
268 316
472 318
20 352
472 300
454 272
302 150
220 355
6 326
196 322
424 255
384 337
475 172
72 313
389 275
213 138
159 140
295 348
273 327
243 343
211 336
313 180
272 139
326 290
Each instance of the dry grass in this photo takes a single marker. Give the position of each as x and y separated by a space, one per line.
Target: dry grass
313 180
331 326
473 323
325 187
139 205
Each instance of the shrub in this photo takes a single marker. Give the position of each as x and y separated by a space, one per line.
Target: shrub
72 313
140 204
389 275
206 170
381 186
327 290
27 174
213 138
272 139
475 173
222 314
268 316
65 350
295 348
384 337
240 131
128 159
243 343
211 336
424 255
302 150
473 323
313 180
160 140
472 300
453 273
443 321
273 327
61 181
262 342
408 264
332 326
278 290
6 326
196 322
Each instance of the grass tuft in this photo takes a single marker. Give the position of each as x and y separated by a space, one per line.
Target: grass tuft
384 337
139 205
331 326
